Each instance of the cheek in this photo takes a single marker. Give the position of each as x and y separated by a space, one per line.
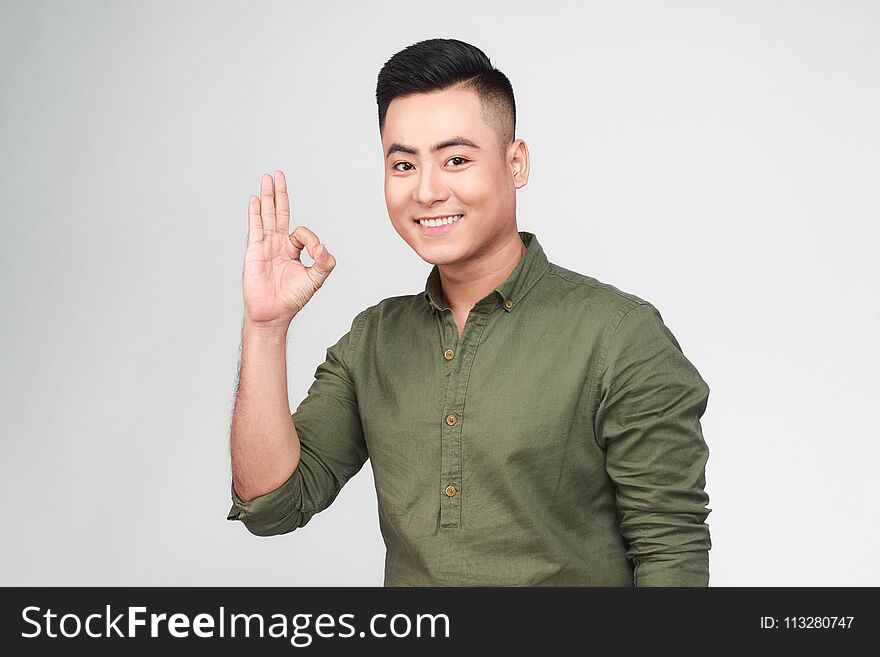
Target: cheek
470 188
395 196
475 190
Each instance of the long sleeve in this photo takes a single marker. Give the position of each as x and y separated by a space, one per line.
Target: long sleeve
332 445
651 399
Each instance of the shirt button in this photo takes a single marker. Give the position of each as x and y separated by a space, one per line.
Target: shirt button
451 420
450 490
508 304
449 354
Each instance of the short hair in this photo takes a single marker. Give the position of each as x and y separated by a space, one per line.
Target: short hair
437 64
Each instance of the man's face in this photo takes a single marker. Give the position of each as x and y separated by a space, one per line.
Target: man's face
475 181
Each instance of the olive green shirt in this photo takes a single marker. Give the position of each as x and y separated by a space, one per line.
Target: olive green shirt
557 442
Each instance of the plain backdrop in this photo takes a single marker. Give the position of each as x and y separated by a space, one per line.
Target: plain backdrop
719 159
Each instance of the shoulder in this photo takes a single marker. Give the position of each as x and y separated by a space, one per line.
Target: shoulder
392 306
600 300
590 287
394 309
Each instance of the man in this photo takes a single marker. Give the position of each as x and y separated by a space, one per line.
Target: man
526 424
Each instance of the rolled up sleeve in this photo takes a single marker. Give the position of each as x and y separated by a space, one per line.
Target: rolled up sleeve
651 399
332 448
276 512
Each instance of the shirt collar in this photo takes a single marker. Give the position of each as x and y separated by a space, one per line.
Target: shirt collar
508 294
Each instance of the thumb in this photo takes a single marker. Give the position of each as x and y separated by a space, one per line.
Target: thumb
323 264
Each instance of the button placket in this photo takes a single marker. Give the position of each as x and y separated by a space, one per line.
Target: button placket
454 412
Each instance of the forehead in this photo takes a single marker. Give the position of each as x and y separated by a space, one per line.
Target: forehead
424 118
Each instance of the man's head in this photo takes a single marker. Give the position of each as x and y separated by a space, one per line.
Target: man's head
447 119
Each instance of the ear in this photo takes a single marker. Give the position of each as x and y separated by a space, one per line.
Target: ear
518 157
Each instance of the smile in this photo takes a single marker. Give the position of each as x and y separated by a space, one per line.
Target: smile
439 225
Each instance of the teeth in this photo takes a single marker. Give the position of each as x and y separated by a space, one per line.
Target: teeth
441 222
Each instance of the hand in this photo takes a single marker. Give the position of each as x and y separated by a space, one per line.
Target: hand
276 283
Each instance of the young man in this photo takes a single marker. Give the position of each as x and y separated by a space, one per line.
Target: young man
526 424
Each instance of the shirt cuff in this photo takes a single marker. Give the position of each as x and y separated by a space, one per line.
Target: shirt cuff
276 512
684 569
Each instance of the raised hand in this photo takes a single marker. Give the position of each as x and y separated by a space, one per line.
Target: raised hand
276 283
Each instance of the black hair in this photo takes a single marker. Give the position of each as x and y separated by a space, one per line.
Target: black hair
437 64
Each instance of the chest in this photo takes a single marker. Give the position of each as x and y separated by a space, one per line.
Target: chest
460 321
488 388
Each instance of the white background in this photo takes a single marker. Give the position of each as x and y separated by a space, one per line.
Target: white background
719 159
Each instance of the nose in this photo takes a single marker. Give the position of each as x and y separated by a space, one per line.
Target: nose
430 187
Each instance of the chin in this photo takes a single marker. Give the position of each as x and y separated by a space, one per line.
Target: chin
439 254
434 251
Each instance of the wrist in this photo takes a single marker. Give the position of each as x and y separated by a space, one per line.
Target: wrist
273 331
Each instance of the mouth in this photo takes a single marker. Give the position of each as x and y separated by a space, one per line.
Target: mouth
439 225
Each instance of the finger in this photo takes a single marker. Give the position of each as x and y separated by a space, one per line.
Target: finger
255 223
267 203
301 238
282 204
323 265
323 261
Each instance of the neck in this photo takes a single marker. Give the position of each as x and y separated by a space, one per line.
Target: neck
465 283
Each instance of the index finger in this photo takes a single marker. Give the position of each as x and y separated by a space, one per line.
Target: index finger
302 238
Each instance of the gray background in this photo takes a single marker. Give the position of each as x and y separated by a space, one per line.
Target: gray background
717 159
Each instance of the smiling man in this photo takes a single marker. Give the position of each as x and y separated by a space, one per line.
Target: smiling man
527 425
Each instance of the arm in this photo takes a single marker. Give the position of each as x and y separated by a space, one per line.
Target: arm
329 444
265 447
651 399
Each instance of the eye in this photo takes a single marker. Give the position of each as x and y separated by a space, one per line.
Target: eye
399 163
457 157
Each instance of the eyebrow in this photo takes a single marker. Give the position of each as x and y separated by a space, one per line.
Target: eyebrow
446 143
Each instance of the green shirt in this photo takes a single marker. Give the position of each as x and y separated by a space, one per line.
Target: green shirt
556 443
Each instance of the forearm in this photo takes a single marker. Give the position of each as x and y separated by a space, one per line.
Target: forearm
264 445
